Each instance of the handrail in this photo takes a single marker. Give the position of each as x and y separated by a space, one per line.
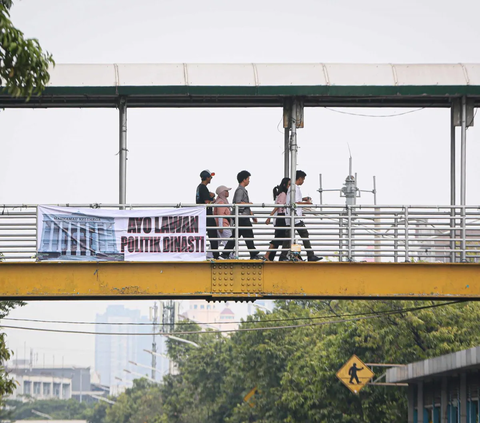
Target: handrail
338 233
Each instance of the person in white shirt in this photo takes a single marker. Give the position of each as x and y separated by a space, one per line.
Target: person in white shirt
299 223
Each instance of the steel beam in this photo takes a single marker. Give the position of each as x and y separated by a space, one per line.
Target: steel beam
234 279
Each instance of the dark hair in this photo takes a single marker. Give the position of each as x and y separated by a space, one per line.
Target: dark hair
283 187
300 174
244 174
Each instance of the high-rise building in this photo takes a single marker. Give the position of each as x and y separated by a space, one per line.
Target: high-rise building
210 315
114 352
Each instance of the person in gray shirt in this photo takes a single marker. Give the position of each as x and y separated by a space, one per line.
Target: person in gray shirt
244 222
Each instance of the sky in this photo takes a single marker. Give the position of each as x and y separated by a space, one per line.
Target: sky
60 156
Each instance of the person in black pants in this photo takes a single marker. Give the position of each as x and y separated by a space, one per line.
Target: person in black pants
204 196
281 229
244 222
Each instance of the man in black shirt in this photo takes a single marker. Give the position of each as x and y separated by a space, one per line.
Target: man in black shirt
206 197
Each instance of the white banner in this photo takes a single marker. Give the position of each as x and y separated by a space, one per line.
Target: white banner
68 233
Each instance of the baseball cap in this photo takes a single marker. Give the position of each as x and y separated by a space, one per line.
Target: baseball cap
204 174
222 188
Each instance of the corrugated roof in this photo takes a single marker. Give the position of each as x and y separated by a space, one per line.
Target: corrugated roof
250 84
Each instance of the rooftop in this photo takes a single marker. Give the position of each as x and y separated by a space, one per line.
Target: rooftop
437 366
255 85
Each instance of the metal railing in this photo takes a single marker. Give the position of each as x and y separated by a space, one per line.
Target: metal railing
336 232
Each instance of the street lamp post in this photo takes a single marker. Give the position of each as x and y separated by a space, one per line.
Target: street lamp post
186 341
139 374
145 367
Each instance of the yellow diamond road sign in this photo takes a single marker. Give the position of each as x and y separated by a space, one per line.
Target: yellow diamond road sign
355 374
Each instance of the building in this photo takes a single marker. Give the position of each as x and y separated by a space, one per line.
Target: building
41 387
210 315
51 382
75 236
114 353
442 389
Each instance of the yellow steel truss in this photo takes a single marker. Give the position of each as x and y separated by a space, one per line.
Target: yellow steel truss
238 279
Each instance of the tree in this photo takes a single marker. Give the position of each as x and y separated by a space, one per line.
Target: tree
56 408
140 404
294 369
23 64
7 384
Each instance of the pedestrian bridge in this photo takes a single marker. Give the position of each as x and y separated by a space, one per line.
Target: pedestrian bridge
368 252
428 252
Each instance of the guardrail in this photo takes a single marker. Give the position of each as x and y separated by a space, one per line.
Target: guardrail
336 232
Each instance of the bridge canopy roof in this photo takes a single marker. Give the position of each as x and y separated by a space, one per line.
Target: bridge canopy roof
255 85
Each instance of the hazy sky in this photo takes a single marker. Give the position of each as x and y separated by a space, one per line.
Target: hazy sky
69 156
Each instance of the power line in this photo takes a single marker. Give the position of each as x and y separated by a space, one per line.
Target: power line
374 315
375 116
67 322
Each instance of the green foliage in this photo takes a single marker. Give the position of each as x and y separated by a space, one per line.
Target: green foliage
140 404
57 409
294 369
23 64
7 384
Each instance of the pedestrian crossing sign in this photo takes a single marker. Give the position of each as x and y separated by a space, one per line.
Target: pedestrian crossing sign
355 374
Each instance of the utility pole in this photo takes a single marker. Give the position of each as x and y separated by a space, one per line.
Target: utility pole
169 318
154 342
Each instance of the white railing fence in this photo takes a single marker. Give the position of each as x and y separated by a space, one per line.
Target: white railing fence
336 232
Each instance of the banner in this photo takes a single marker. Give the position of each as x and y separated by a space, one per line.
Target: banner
68 233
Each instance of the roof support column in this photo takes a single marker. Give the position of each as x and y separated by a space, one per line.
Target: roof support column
420 408
444 401
452 182
411 402
463 174
122 153
287 118
293 168
286 153
463 398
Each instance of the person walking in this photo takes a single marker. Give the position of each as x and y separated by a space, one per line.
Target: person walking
352 372
281 230
244 222
299 223
204 196
223 213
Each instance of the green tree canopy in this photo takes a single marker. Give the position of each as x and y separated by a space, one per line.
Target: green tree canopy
23 64
294 368
7 384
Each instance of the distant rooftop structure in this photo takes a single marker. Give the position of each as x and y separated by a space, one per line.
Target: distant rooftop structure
254 85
